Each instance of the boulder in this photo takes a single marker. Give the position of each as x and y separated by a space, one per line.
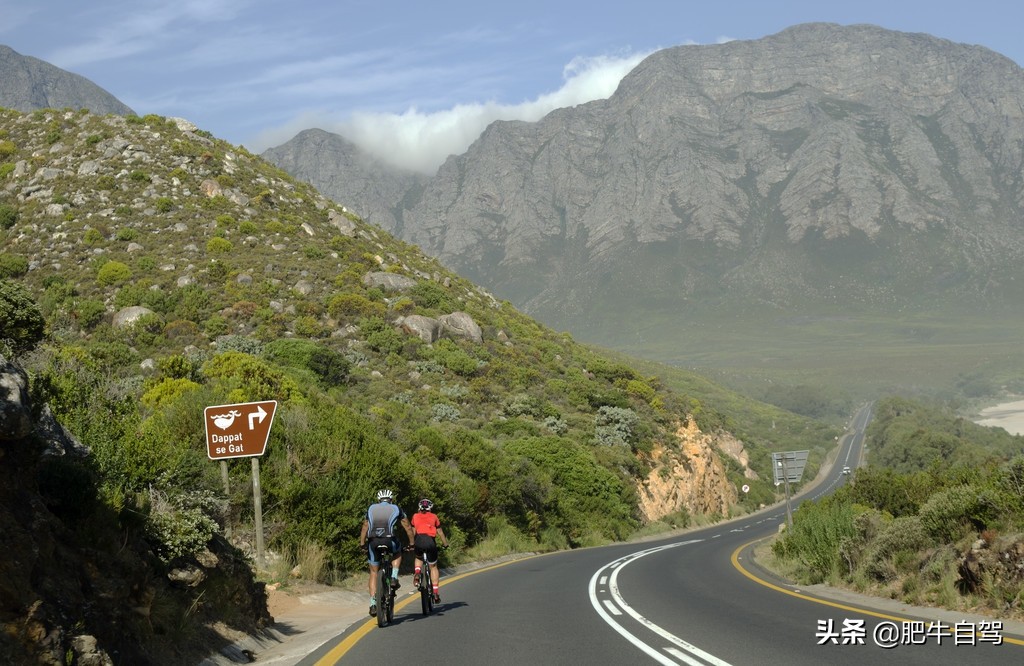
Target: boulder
428 329
388 281
462 325
15 411
128 316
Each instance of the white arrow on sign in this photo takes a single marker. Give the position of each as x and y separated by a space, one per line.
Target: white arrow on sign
258 414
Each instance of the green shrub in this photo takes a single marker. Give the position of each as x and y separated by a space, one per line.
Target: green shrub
381 337
167 391
219 246
113 272
126 234
164 204
348 307
22 325
451 356
251 378
430 295
308 327
12 266
177 527
89 312
330 367
949 513
7 148
820 531
8 216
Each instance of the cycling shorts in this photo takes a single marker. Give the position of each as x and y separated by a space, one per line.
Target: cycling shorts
426 546
371 547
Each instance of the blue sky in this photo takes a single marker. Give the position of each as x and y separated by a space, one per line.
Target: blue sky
415 81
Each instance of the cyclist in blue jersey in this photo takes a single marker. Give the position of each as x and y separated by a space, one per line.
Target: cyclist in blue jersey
379 526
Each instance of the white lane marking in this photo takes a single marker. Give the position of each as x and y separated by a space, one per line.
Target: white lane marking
611 607
613 587
651 652
604 579
682 656
615 567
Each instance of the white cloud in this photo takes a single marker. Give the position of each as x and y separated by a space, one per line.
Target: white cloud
145 30
422 141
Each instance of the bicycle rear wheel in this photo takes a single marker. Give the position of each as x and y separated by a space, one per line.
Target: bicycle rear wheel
383 589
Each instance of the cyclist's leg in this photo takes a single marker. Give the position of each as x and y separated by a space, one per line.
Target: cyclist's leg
396 563
372 585
430 553
421 543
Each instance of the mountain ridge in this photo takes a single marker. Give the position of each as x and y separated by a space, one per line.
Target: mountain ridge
30 84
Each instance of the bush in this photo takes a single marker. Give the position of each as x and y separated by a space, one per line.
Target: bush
819 534
218 246
113 272
89 312
949 513
22 325
12 266
177 527
8 216
330 367
354 306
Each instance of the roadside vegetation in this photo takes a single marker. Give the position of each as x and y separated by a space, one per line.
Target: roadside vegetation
937 518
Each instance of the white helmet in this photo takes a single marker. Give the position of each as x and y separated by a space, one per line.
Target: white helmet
385 495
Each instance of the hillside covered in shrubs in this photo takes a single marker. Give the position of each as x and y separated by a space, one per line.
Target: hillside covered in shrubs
936 519
151 270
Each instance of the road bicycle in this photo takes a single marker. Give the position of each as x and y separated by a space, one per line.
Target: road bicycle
426 588
385 588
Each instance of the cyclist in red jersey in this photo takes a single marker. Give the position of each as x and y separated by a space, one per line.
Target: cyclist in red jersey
427 528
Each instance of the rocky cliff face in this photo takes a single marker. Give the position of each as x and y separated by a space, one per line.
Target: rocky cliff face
689 477
819 165
30 83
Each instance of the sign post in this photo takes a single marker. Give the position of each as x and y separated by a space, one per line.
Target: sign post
788 466
241 431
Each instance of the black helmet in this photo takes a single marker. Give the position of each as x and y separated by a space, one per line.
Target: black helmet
426 505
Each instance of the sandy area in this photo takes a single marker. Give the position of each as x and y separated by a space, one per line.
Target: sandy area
1007 415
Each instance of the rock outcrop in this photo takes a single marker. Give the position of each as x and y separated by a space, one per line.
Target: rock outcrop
687 475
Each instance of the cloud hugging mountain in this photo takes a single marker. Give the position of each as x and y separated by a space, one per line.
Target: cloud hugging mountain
819 166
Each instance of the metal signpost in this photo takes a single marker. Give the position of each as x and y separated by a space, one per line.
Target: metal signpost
241 431
788 466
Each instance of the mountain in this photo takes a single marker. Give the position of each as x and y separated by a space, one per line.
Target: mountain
823 172
30 83
376 190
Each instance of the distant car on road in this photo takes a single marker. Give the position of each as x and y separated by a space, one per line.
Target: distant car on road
846 470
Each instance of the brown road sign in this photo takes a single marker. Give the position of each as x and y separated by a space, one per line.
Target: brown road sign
239 431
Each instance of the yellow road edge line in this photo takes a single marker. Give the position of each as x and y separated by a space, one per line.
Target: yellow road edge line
339 650
735 559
